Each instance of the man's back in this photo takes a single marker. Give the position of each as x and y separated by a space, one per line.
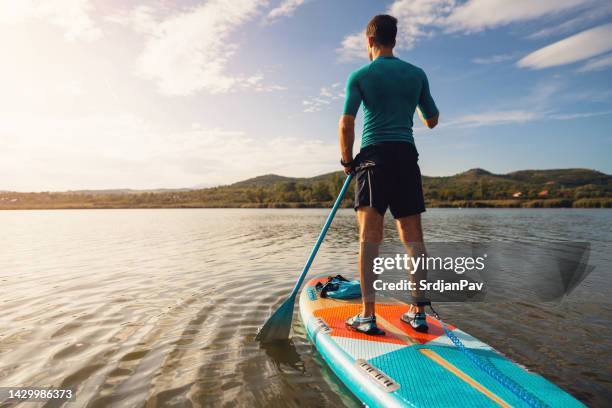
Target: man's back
391 90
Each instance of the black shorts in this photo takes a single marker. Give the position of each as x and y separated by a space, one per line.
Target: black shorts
388 176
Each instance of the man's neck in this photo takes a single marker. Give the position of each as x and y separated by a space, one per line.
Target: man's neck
381 52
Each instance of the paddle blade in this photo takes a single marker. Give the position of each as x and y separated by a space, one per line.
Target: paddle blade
278 325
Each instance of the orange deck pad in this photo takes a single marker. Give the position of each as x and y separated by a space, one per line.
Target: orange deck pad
335 317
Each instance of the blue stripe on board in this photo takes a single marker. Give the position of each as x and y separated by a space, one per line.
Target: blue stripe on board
428 384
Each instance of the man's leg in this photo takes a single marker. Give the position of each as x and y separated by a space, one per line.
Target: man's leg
370 236
411 235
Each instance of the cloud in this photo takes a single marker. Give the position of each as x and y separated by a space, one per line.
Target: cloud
325 97
597 64
126 151
578 47
424 18
542 100
72 16
477 15
143 19
581 115
242 156
284 9
353 47
493 59
599 11
506 117
493 118
414 17
190 51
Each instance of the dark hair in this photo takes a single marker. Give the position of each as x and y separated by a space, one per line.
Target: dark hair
383 28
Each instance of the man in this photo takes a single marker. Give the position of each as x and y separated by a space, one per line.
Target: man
388 175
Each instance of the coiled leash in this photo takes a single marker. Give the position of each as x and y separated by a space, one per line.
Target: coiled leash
490 369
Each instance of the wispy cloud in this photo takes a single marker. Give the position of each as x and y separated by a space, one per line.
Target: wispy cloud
285 9
493 59
123 150
598 10
579 115
542 100
477 15
424 18
143 19
508 117
190 51
353 47
72 16
578 47
597 64
325 97
493 118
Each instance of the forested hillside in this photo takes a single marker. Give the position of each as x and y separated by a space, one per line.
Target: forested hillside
473 188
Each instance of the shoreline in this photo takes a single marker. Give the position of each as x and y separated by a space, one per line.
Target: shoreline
475 188
459 204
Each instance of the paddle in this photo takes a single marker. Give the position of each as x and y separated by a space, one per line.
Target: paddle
278 325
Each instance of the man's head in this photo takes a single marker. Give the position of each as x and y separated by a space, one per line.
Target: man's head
381 32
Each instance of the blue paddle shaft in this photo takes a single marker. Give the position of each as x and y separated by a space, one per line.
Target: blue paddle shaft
278 325
328 222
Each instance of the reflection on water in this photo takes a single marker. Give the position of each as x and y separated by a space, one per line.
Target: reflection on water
160 307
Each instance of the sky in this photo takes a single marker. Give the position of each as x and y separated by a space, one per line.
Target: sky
102 94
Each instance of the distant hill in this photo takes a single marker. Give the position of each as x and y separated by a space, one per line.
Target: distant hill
269 180
476 173
566 186
564 177
473 188
266 180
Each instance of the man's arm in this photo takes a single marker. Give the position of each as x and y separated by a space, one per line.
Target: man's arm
428 111
346 126
346 136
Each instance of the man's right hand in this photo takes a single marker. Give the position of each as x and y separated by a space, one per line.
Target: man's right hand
347 164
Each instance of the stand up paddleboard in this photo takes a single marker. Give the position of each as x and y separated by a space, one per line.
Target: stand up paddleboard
405 368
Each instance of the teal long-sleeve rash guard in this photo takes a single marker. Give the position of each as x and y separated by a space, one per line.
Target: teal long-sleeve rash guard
390 90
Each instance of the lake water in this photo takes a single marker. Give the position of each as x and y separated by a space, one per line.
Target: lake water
160 307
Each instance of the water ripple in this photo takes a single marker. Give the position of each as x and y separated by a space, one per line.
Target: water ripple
160 307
